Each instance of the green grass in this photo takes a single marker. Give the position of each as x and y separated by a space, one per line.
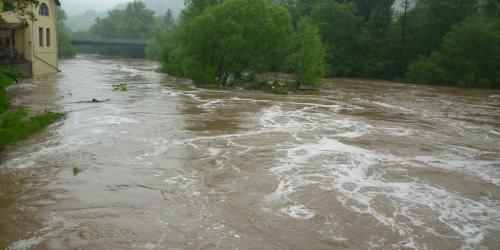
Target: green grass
16 125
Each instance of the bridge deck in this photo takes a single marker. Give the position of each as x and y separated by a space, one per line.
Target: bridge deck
119 42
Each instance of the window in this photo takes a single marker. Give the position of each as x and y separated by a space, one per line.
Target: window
8 5
48 37
40 37
44 10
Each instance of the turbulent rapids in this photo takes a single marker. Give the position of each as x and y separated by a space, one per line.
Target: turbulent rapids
165 165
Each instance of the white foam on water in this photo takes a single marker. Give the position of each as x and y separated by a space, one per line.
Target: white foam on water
494 132
115 120
390 106
192 95
211 104
357 176
214 151
314 165
53 227
487 171
170 92
298 212
19 163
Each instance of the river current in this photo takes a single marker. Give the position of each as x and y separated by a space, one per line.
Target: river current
165 165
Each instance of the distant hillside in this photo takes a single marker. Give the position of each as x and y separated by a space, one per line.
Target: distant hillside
160 6
85 20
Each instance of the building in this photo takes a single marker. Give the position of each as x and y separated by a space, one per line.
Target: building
32 47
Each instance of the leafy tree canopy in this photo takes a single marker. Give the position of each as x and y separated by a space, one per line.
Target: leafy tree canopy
230 39
21 8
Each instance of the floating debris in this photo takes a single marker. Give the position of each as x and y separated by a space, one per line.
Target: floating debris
120 87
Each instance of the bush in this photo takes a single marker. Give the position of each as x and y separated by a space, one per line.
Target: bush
279 89
308 57
426 70
468 57
228 40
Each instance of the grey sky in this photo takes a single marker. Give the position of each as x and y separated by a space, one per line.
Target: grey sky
73 7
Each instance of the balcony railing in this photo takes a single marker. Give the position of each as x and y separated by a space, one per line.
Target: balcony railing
11 56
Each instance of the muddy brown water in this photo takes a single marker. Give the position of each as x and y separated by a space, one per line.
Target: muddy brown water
164 165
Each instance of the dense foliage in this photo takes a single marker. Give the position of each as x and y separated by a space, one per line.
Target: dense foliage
65 50
134 22
307 57
164 24
225 43
469 56
429 41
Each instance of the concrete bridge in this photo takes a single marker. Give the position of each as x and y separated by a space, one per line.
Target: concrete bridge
106 41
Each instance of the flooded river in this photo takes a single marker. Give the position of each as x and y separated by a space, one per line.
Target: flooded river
164 165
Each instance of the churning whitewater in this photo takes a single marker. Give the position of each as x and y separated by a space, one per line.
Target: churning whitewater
166 165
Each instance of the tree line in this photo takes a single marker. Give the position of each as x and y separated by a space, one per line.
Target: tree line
135 21
231 42
448 42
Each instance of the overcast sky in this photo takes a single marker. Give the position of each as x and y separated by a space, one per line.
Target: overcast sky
73 7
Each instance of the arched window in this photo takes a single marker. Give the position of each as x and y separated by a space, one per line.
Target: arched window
44 10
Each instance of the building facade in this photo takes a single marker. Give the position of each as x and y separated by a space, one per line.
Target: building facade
34 44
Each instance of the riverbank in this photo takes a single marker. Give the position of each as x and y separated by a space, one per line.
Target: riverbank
15 123
285 83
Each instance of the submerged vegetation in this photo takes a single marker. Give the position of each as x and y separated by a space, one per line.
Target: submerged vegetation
17 124
120 87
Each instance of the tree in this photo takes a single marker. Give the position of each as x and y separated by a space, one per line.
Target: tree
65 50
230 40
492 8
196 7
133 22
308 55
168 20
298 8
430 21
160 36
22 9
469 56
406 5
340 29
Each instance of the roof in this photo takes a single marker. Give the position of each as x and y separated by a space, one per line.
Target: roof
58 3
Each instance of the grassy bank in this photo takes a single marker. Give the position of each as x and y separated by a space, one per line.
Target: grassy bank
17 124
